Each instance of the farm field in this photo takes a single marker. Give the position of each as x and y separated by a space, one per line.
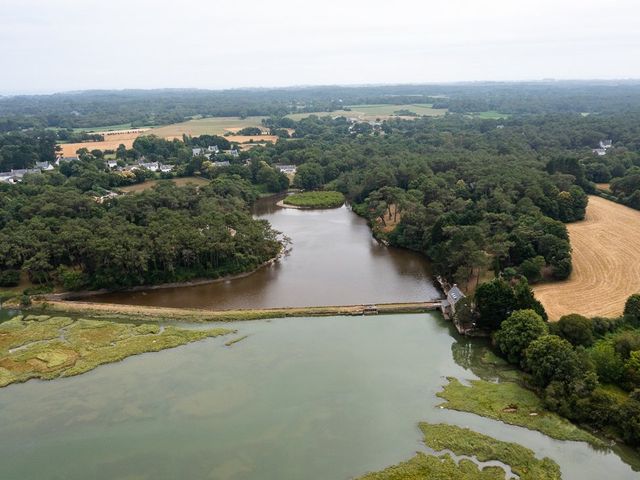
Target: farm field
606 263
70 149
208 126
181 182
372 112
112 140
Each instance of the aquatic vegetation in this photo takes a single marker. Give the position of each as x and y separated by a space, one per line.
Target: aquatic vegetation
48 347
513 404
465 442
323 199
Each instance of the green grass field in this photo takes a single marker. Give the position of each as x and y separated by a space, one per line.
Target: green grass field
372 112
109 128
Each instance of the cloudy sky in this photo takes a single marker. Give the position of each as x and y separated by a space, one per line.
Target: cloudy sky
60 45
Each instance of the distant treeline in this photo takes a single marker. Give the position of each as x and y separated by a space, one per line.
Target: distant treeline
92 109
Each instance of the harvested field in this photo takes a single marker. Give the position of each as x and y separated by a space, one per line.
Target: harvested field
112 140
208 126
605 187
70 149
606 263
252 138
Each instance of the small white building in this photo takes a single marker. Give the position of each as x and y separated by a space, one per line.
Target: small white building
287 169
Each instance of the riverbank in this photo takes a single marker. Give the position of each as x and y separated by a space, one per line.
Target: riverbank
137 312
61 296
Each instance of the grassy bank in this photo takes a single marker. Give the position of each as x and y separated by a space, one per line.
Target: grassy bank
465 442
328 199
46 347
512 404
154 314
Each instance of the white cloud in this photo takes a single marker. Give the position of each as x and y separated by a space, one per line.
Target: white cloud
76 44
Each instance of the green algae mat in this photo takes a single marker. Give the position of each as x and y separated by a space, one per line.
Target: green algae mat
48 347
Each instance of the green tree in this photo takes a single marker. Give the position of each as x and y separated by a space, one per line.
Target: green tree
632 308
309 176
517 332
576 329
551 358
495 301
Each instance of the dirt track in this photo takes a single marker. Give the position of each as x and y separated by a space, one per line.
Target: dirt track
606 263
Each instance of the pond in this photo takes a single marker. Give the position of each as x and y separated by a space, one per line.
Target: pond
299 398
333 260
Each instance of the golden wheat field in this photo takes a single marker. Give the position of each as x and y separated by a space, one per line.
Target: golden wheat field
606 263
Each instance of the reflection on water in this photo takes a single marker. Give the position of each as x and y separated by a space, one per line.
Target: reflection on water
300 398
334 260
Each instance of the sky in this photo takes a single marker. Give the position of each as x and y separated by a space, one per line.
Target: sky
61 45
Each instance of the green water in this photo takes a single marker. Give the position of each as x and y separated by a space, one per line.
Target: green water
300 398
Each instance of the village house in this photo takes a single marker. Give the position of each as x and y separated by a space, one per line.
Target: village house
44 166
604 146
112 163
107 196
15 176
448 306
221 164
205 152
287 169
60 159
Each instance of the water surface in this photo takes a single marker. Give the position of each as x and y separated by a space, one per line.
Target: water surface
334 260
300 398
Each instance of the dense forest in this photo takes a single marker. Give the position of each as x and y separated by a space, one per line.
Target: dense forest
57 234
94 109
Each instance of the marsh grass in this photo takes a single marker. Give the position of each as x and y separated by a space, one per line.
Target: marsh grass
45 347
513 404
464 442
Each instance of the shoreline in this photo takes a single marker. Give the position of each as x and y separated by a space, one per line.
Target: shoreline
281 204
64 296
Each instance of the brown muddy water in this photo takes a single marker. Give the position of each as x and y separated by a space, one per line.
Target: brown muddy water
333 260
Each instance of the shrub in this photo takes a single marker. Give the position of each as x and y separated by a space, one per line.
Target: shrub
608 363
576 329
9 278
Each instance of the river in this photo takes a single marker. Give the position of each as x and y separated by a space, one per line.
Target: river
333 260
319 398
